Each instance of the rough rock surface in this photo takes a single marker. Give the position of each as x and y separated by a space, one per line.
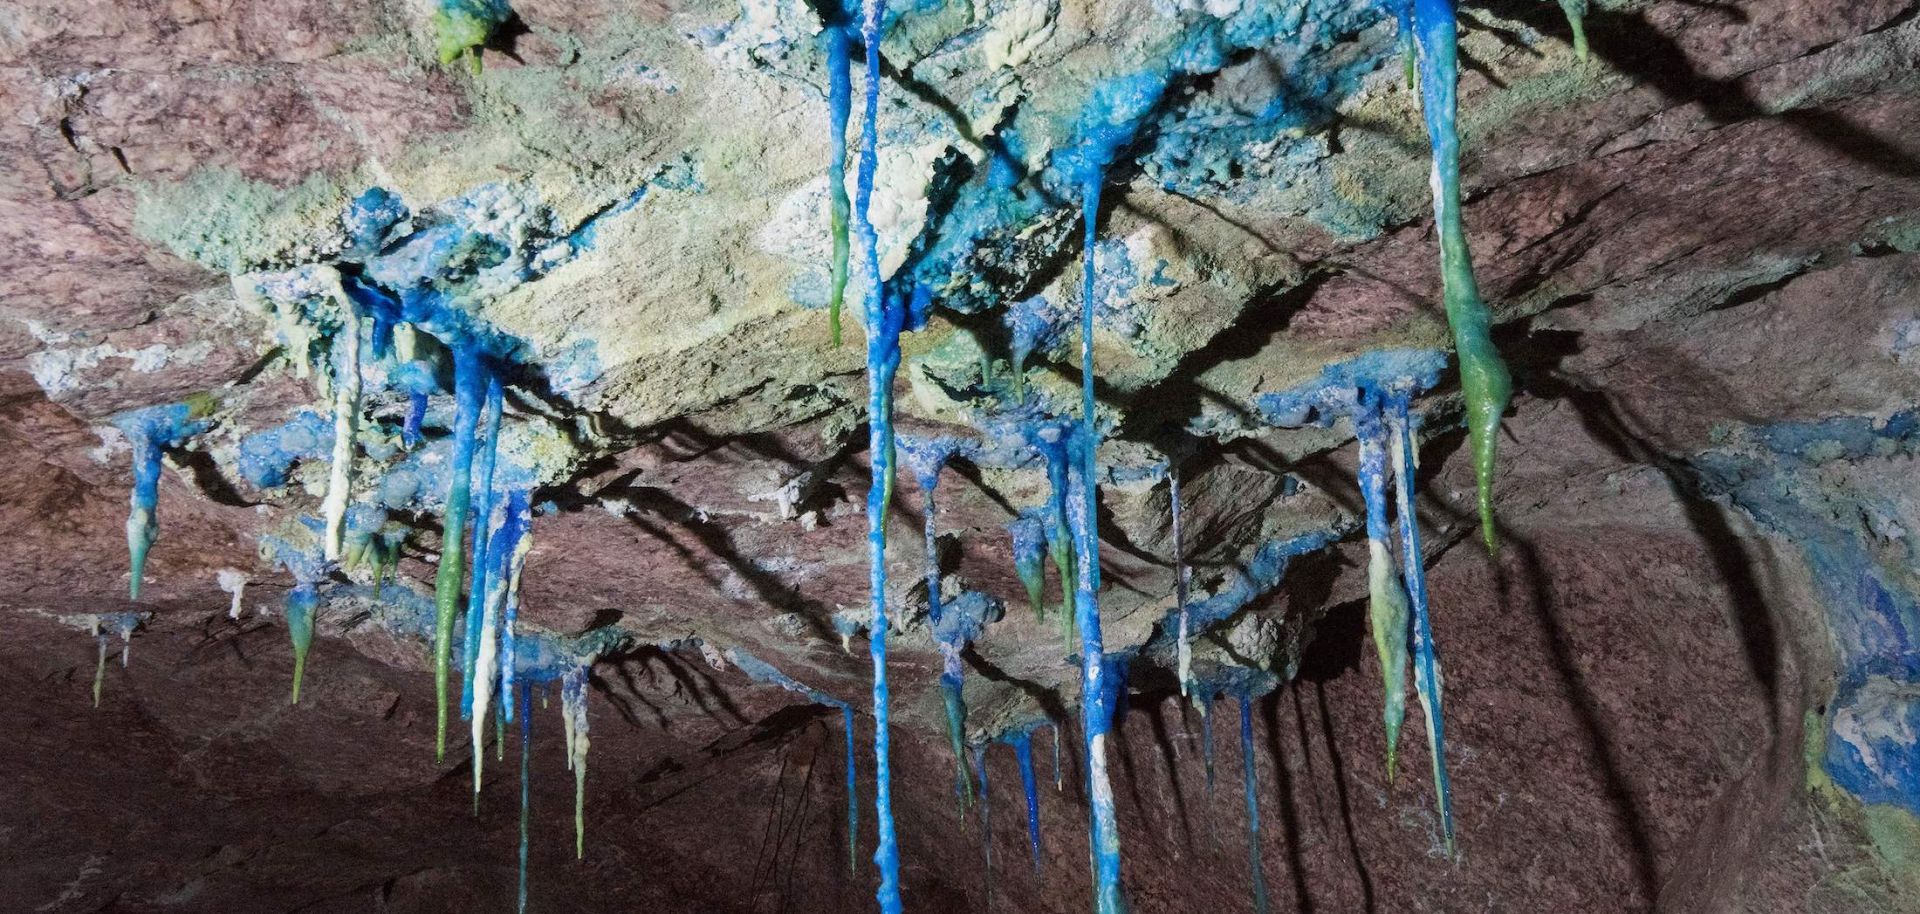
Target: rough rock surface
1667 694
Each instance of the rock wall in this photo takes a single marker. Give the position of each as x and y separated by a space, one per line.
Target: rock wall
1688 683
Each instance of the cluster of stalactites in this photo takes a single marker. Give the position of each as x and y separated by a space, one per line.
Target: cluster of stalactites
1426 662
1387 610
927 459
497 575
1397 592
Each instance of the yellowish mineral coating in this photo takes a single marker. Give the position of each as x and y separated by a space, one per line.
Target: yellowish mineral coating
1015 34
486 668
1388 612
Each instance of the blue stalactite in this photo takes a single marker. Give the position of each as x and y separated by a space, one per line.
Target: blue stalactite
494 658
1022 743
1251 781
1426 664
1484 380
309 568
151 431
1098 691
487 452
884 319
519 525
416 414
1066 448
953 701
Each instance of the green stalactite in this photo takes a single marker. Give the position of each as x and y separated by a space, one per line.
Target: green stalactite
1388 612
956 709
1036 586
1576 11
1060 547
1484 379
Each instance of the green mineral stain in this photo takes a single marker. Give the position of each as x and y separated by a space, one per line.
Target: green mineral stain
229 223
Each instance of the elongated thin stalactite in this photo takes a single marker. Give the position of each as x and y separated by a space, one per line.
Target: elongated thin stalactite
520 510
573 708
346 422
1250 778
1387 609
1484 380
100 665
1426 663
1059 782
493 661
1023 754
486 453
469 384
885 319
1096 713
839 45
